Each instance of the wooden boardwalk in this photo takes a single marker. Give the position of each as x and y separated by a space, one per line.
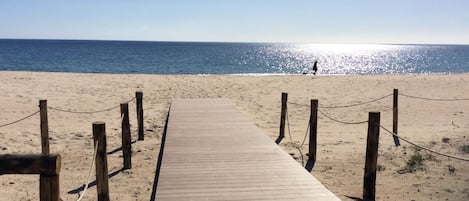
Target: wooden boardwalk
213 152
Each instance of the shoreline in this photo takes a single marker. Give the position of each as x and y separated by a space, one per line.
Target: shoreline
341 148
247 74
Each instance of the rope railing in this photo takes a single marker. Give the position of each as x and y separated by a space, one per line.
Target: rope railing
89 173
99 134
422 147
345 106
89 112
306 134
19 120
298 147
434 99
355 104
340 121
83 112
298 104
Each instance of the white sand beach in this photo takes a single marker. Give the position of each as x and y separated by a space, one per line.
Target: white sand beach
341 147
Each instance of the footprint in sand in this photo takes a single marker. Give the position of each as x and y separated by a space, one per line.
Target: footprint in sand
78 136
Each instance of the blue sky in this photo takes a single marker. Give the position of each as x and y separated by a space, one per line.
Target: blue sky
326 21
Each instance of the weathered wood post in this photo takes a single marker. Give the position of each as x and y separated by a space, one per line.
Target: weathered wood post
395 116
49 184
283 112
48 166
45 181
369 179
99 138
139 97
126 142
313 130
44 127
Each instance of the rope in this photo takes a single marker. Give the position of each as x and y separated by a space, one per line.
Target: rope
421 147
306 134
14 122
434 99
356 104
122 117
291 139
89 112
298 104
89 172
339 121
83 112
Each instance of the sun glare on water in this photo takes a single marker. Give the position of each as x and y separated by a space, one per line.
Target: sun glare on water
351 58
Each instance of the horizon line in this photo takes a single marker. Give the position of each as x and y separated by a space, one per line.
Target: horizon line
253 42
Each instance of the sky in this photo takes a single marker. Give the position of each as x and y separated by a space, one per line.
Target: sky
296 21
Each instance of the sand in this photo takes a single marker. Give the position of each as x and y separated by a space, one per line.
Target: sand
341 147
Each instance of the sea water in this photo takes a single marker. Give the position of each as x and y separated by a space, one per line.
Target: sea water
88 56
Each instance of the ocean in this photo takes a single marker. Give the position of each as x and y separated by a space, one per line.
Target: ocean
199 58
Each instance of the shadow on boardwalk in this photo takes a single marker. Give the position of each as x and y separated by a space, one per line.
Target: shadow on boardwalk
160 158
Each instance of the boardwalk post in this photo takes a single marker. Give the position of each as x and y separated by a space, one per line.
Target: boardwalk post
48 166
369 179
139 97
313 123
282 115
126 142
99 138
44 127
394 116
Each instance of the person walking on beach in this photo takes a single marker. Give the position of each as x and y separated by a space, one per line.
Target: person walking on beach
315 67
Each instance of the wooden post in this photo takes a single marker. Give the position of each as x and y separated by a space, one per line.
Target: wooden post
369 179
102 177
282 115
49 188
44 127
126 142
139 97
45 181
48 166
394 116
313 129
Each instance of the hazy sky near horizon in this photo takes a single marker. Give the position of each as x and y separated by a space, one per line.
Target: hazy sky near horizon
326 21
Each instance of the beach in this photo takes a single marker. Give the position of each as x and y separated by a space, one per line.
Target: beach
441 125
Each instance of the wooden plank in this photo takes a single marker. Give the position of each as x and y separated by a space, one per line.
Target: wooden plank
30 164
213 152
48 166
